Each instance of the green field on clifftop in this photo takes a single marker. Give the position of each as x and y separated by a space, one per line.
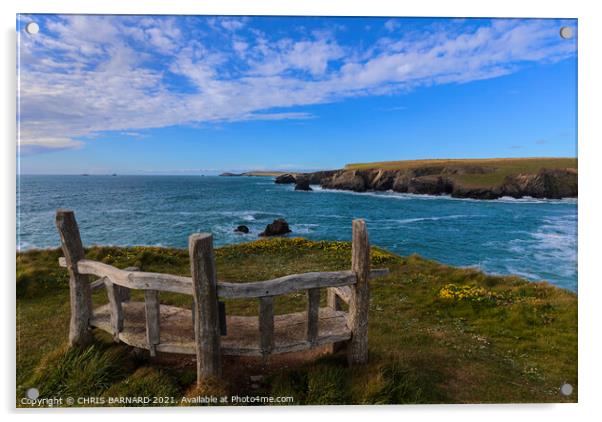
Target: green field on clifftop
501 167
437 334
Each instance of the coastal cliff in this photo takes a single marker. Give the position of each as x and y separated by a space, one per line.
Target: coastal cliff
459 181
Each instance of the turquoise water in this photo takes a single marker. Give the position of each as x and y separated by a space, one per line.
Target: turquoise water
536 239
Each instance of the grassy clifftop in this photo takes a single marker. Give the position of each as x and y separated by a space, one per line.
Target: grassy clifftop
437 334
496 168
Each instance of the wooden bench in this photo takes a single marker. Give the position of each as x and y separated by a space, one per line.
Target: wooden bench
205 331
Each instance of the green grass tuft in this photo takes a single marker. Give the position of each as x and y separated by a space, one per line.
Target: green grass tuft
396 384
327 385
80 372
146 382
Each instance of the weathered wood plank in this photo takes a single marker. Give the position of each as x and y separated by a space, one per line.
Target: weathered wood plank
266 324
98 284
335 298
344 292
357 352
79 288
313 306
226 290
286 284
125 294
137 279
206 322
242 340
113 294
179 284
153 319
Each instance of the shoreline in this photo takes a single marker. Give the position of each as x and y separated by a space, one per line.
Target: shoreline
485 179
426 196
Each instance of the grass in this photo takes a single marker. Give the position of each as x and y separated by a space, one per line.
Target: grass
79 372
437 334
502 167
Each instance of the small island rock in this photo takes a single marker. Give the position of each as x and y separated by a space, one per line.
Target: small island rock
242 229
277 227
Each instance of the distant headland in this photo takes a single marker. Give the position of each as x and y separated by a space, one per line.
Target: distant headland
490 178
255 173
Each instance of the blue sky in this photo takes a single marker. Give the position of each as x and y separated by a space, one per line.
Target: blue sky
201 95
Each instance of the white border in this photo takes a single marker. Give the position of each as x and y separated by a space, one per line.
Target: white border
590 212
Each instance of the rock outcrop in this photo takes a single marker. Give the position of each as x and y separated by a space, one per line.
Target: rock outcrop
548 183
303 184
285 178
354 180
317 177
277 227
430 185
440 180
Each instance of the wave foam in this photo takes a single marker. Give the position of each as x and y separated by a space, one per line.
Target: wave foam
444 217
407 196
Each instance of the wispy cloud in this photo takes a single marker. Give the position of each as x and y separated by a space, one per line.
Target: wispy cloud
391 25
133 134
394 108
82 75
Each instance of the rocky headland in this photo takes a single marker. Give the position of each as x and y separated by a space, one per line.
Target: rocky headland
551 183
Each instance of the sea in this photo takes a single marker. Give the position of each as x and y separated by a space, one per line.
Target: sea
533 238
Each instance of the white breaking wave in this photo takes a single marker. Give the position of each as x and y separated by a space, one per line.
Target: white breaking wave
444 217
303 228
407 196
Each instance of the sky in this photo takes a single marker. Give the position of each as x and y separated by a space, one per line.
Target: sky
206 94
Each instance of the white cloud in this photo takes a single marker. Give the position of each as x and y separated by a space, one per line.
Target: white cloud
232 24
240 47
86 74
391 25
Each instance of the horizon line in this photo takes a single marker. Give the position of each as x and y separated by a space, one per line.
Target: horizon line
217 172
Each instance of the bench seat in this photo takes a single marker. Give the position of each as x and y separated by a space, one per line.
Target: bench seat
242 339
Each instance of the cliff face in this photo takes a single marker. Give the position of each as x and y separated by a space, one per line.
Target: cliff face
547 183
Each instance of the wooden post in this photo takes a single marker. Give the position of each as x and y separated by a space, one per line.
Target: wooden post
115 307
266 324
333 301
206 321
152 308
193 309
79 288
313 309
359 303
